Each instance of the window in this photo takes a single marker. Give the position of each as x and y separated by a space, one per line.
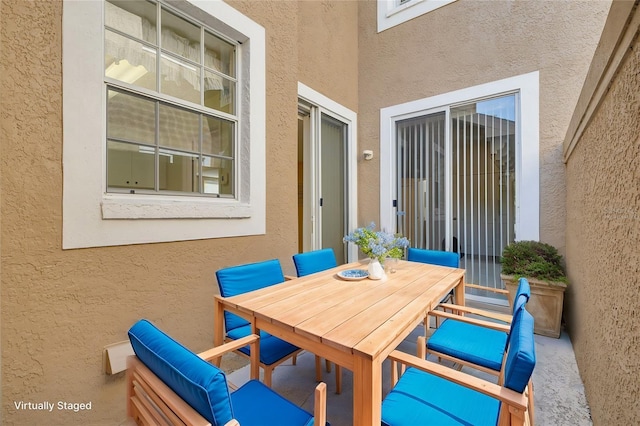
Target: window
395 12
171 106
164 119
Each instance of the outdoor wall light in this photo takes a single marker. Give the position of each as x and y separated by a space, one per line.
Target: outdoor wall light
368 154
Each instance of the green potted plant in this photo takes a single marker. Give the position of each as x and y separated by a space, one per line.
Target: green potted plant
542 266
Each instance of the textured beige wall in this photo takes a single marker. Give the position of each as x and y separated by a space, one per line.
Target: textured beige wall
603 256
472 42
59 308
328 49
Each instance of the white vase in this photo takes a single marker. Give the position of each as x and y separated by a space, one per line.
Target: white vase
375 269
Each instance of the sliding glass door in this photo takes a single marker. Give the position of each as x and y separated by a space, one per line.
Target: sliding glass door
456 181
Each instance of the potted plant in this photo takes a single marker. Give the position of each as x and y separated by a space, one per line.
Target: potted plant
541 265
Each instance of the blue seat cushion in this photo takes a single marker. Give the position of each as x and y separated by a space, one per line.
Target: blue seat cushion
199 383
272 349
468 342
257 405
420 398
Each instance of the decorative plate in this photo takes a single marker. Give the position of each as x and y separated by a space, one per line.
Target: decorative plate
353 274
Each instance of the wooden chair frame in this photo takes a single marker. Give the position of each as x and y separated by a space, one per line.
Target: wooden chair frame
457 312
461 310
151 402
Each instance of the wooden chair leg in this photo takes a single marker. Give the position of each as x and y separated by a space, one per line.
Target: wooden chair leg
268 372
338 379
294 359
531 411
327 365
318 368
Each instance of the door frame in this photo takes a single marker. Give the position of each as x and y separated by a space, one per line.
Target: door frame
325 105
527 196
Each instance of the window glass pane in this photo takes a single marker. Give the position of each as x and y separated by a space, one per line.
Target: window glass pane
178 171
130 166
155 141
217 136
132 17
180 79
217 176
219 93
179 128
129 61
130 118
180 37
219 55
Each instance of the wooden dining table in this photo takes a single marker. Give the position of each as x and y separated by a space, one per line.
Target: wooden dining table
355 324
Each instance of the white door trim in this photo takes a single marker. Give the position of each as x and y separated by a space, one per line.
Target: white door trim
527 197
350 118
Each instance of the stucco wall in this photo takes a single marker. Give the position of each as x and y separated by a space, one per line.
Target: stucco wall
59 308
603 257
328 49
467 43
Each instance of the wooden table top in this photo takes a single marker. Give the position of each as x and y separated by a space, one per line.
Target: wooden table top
361 317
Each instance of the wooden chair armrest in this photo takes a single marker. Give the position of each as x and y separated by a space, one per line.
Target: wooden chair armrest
320 405
479 287
481 312
231 346
493 390
479 322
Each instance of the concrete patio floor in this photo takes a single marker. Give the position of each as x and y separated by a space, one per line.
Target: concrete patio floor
559 392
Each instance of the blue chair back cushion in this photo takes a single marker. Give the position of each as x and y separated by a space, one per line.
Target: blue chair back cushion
199 383
314 261
241 279
518 306
521 358
434 257
523 290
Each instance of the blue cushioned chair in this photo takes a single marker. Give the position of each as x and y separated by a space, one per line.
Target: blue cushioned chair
186 389
429 393
473 342
241 279
434 257
309 263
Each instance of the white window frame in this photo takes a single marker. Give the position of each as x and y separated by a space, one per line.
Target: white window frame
392 12
94 218
527 197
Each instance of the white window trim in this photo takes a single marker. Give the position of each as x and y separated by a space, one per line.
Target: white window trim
349 117
391 13
94 218
527 226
